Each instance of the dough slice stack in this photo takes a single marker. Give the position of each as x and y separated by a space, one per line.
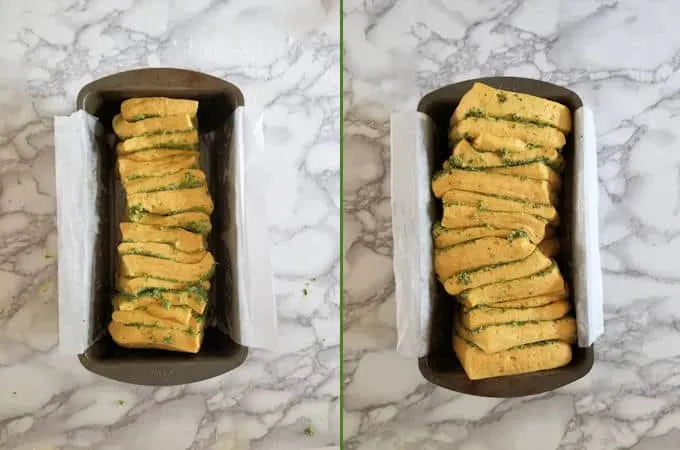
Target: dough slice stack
496 240
164 268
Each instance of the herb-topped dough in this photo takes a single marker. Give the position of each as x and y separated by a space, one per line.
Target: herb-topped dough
483 100
160 250
499 204
138 285
499 229
532 171
132 169
186 140
498 337
482 315
154 125
139 336
534 191
142 317
193 299
479 253
183 179
195 221
141 108
160 153
164 268
531 302
180 314
458 216
444 237
541 136
182 240
497 272
172 202
466 156
548 281
527 358
486 142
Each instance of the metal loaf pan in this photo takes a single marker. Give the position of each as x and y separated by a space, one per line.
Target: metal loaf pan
441 366
217 101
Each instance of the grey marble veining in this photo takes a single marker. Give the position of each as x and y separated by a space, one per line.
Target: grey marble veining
285 58
621 57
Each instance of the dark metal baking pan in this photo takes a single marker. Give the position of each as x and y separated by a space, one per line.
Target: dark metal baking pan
441 366
217 101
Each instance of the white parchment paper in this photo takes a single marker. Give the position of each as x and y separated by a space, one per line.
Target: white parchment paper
77 168
411 169
586 265
254 314
255 324
412 215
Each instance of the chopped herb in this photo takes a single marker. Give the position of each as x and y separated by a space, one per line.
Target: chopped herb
480 205
199 291
190 181
309 432
167 339
201 227
530 145
305 292
523 177
166 304
516 234
501 97
464 278
455 161
519 119
208 274
136 213
137 117
474 112
437 228
438 174
121 402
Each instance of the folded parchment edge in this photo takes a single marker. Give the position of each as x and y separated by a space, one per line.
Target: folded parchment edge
76 173
410 168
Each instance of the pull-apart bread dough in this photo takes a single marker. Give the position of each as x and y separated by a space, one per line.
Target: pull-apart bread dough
500 190
164 268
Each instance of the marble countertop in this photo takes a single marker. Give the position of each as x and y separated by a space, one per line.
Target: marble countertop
285 58
621 58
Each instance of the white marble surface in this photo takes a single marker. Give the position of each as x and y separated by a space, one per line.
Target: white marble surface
621 57
285 57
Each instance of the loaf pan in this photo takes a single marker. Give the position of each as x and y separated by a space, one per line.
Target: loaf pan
217 101
440 365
